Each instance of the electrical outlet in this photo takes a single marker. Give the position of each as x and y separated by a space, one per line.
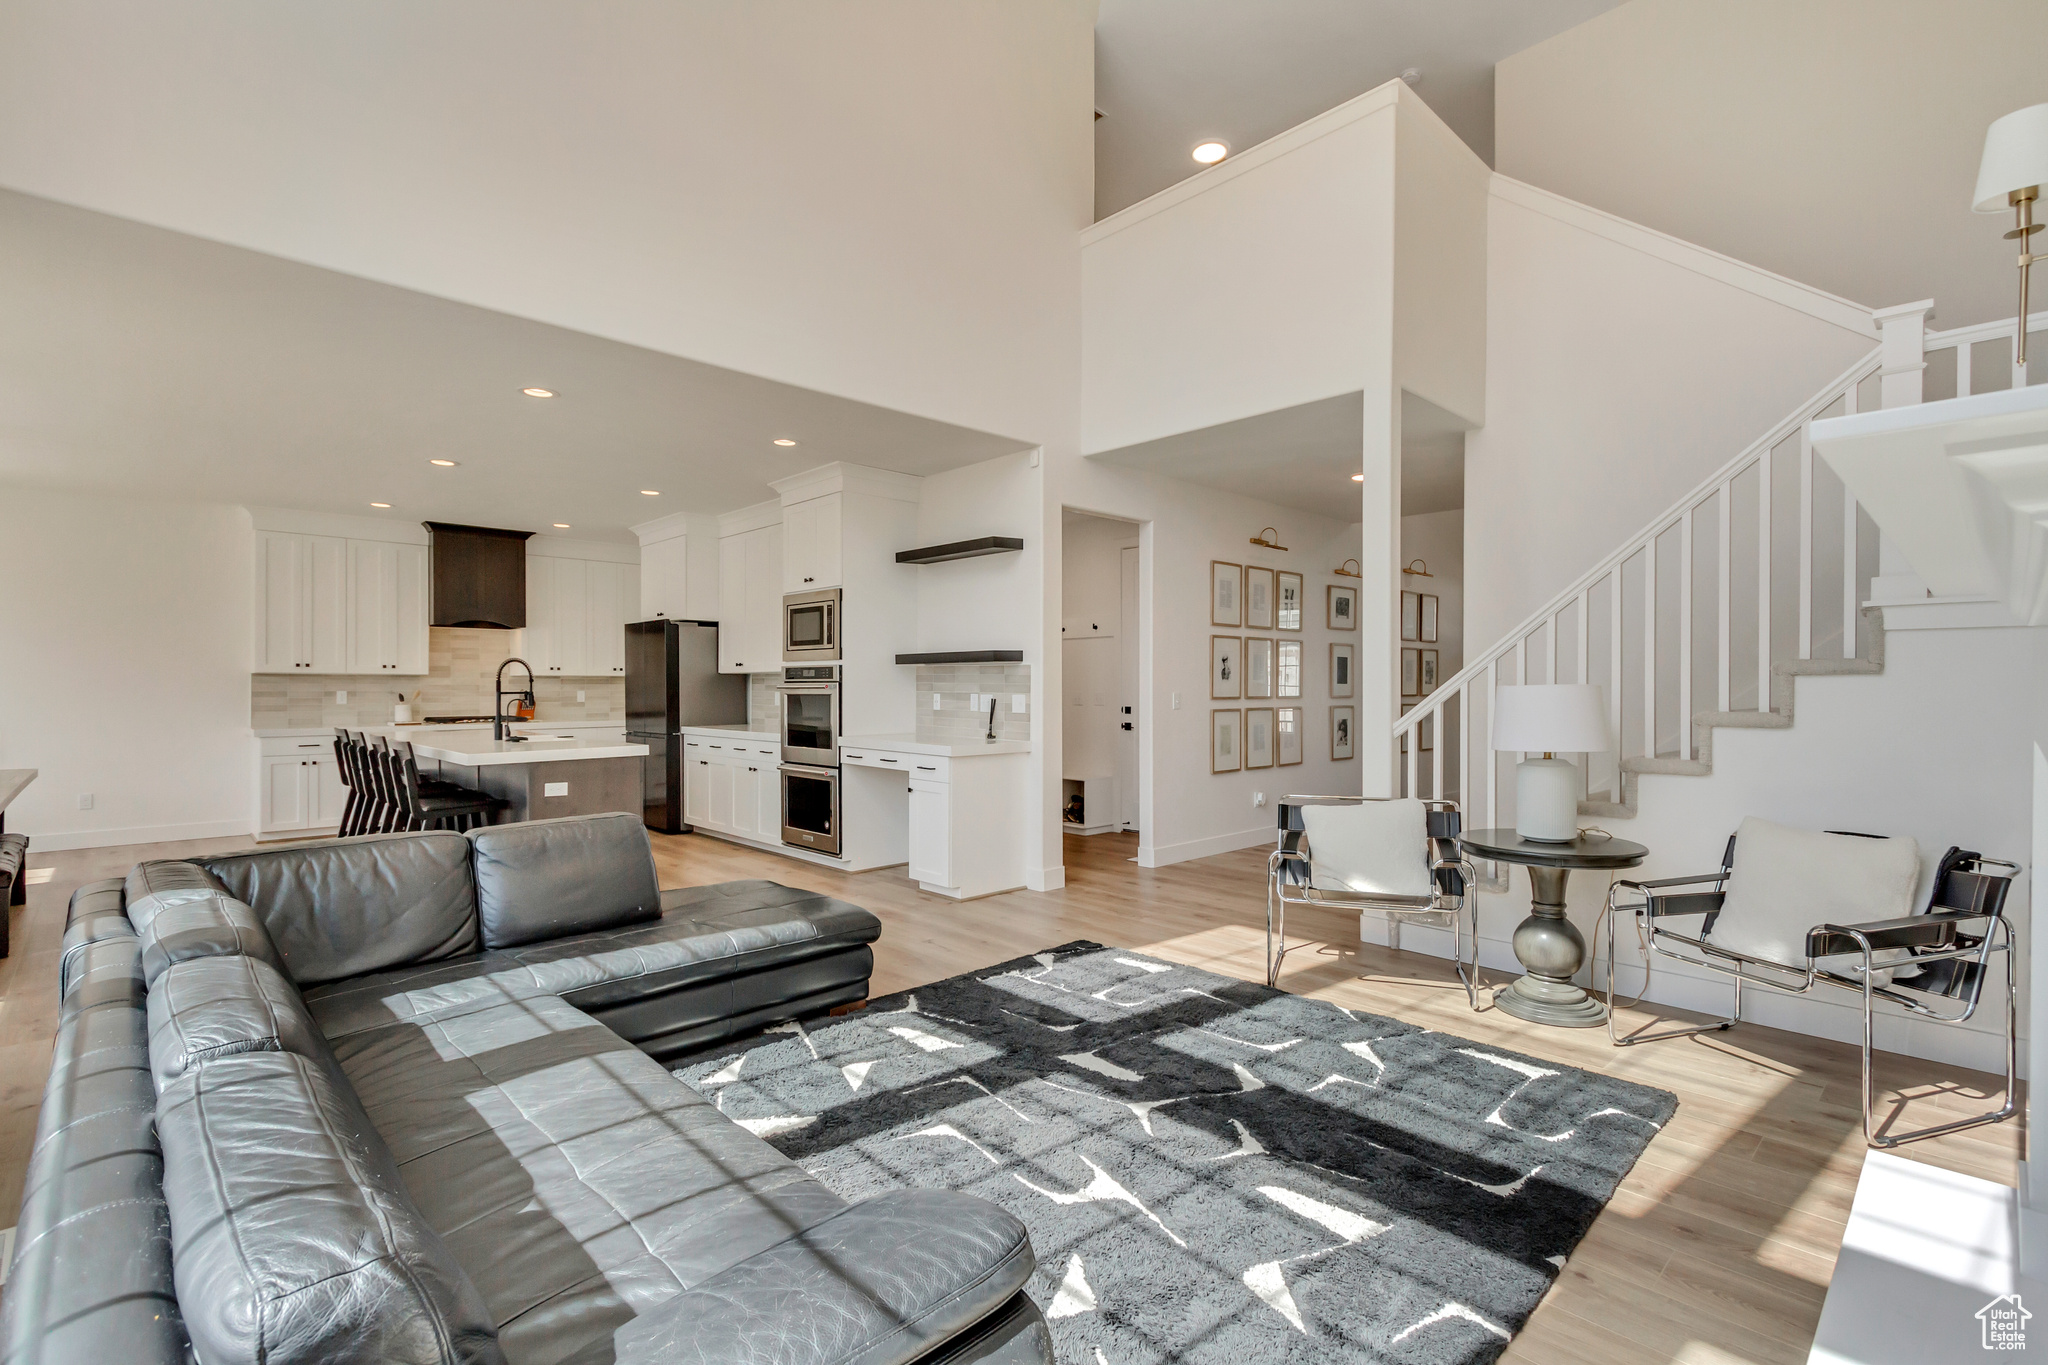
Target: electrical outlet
579 694
1176 701
1258 800
85 800
1020 702
341 699
974 701
935 701
554 789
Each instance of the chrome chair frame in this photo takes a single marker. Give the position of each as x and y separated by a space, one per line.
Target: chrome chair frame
1933 937
1457 906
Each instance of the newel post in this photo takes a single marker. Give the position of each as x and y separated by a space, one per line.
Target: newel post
1902 337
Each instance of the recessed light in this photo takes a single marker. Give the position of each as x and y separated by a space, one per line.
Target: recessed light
380 504
650 492
561 526
1358 478
784 441
538 393
1209 153
445 464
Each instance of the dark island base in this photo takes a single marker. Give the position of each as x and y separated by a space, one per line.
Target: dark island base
595 786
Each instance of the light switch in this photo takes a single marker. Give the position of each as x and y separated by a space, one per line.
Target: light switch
974 701
1020 702
1176 701
341 699
85 800
935 701
554 789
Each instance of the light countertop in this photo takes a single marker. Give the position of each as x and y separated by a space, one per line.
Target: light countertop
911 744
472 750
415 730
735 731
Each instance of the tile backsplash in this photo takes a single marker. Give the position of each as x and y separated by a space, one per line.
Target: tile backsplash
955 685
764 709
461 665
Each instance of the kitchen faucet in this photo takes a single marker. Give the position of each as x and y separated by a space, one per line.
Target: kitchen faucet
499 729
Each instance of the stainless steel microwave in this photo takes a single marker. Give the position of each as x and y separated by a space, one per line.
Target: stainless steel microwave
810 626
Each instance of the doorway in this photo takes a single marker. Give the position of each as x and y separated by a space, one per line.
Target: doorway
1099 653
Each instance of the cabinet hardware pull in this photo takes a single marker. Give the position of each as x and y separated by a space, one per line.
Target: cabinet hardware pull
921 768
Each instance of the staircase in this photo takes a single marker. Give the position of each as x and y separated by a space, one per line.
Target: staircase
1707 617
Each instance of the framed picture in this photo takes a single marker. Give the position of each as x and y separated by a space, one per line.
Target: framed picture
1427 631
1342 666
1287 668
1226 667
1428 671
1226 746
1287 592
1343 608
1258 598
1411 673
1342 718
1287 728
1258 737
1226 607
1258 667
1411 615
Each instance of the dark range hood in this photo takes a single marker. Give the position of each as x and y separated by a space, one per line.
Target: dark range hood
479 576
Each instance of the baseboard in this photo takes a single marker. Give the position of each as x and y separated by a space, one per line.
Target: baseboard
139 834
1163 855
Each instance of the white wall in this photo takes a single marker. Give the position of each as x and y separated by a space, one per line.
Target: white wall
1623 367
1834 141
127 636
1927 749
875 200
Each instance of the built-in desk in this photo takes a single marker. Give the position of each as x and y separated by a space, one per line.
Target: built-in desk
959 807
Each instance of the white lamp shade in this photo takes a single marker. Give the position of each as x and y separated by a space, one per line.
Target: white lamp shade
2015 157
1557 718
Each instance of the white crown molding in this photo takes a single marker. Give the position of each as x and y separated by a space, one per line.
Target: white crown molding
744 519
840 477
1374 101
294 522
670 527
1815 303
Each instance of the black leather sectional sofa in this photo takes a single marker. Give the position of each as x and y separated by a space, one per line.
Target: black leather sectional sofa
392 1099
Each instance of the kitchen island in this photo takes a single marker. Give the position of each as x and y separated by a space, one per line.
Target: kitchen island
540 776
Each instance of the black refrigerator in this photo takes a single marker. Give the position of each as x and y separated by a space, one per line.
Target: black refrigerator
672 680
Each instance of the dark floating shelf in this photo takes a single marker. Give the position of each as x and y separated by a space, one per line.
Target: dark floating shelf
965 656
961 549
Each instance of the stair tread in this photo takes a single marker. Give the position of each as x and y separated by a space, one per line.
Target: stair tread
1672 767
1810 668
1744 720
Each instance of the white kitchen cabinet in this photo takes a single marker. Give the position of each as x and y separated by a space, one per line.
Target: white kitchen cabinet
931 832
576 615
387 608
301 603
612 594
572 619
664 579
750 601
811 544
299 787
731 787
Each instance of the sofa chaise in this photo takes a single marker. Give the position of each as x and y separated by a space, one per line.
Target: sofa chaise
396 1098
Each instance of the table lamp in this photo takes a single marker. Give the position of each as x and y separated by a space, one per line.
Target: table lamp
2014 168
1550 719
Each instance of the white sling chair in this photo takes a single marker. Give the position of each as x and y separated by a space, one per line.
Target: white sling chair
1796 899
1397 855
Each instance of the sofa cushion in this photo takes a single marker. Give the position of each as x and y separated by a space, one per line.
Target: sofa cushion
211 926
152 886
349 906
97 912
547 879
210 1007
91 1276
293 1239
577 1182
876 1284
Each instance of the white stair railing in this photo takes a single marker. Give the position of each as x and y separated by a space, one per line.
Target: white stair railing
1766 561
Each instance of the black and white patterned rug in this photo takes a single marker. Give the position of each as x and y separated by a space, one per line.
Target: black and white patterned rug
1212 1171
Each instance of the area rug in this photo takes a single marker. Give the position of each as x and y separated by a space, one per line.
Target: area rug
1212 1171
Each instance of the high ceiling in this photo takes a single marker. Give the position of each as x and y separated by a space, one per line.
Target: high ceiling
1303 457
141 361
1171 73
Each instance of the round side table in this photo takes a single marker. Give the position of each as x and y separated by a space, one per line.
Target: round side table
1550 947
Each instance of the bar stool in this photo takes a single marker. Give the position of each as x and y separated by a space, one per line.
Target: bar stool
445 806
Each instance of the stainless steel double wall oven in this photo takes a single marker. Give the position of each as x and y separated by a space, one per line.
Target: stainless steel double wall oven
810 755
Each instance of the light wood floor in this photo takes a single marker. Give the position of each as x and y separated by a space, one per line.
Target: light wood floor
1716 1249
